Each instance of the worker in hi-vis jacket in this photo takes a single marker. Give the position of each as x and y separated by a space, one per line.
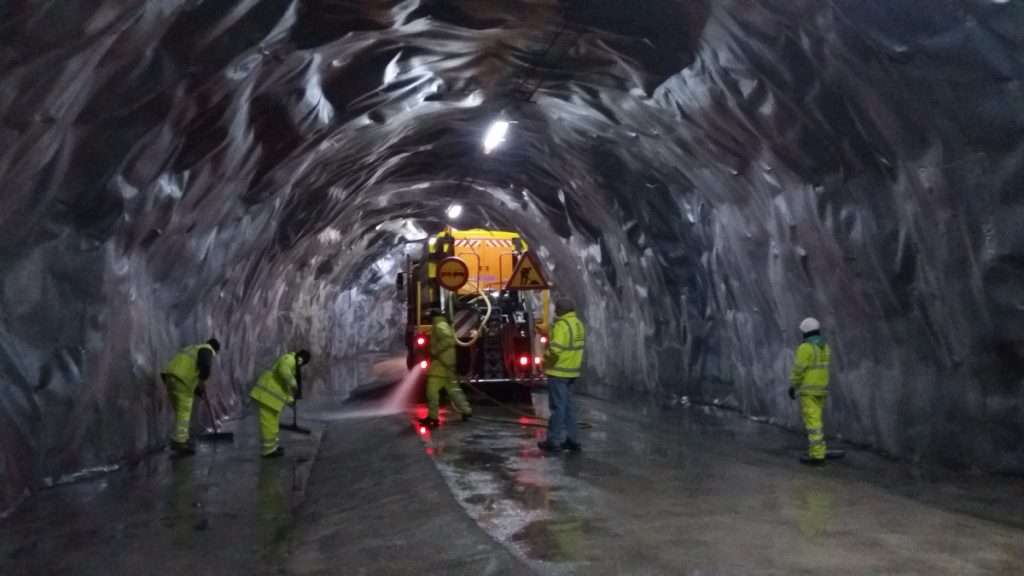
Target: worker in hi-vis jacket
185 377
441 371
274 389
809 381
563 361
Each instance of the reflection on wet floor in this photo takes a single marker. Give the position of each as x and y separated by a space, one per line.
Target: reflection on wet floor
216 512
660 492
656 491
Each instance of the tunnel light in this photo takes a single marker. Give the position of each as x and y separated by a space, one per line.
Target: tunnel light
495 135
454 211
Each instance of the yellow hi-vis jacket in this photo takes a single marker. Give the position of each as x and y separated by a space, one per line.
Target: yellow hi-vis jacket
564 356
185 366
810 370
442 349
276 387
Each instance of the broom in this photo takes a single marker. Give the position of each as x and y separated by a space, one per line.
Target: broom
216 435
294 426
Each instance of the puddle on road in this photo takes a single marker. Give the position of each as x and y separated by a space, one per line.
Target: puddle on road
559 540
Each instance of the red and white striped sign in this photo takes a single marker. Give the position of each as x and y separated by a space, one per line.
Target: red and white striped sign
489 243
465 321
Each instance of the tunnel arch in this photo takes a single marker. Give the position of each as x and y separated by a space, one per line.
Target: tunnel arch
169 168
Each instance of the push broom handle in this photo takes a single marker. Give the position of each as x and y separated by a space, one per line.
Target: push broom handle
209 412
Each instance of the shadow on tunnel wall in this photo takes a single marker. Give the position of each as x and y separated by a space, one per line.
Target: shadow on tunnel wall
698 175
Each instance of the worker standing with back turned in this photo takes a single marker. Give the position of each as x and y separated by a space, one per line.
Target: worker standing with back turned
274 389
185 376
563 360
809 380
441 372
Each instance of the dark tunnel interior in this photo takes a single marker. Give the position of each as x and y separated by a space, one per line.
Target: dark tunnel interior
699 177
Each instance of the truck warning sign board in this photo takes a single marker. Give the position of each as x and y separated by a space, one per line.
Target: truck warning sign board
527 275
452 273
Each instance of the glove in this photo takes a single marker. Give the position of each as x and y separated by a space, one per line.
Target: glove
792 393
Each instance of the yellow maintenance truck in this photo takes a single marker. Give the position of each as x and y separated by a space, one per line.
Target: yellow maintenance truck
493 291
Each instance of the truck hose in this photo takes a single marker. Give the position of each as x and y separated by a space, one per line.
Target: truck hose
483 322
533 419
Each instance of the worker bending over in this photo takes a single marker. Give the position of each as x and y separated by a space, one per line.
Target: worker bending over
185 376
274 389
810 380
563 360
441 371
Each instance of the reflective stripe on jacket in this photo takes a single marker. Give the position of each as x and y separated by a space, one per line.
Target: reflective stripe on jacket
564 356
276 386
810 369
185 365
442 349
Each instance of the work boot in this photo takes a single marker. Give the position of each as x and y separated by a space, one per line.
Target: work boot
183 447
805 459
548 447
430 422
574 447
277 453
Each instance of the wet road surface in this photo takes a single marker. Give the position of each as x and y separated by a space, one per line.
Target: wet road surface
703 491
656 491
219 511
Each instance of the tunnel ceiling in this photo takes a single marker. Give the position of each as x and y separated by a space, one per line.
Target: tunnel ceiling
700 176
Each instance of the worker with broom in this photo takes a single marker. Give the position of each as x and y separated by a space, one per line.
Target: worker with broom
274 389
185 376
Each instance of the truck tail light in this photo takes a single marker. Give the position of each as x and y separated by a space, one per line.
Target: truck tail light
421 341
424 364
543 339
537 360
524 360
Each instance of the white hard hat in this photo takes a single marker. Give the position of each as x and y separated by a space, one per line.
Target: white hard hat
809 325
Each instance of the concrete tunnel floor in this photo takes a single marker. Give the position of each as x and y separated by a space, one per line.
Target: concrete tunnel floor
679 490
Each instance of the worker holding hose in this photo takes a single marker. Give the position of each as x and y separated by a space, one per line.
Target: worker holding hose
441 371
274 389
185 377
563 360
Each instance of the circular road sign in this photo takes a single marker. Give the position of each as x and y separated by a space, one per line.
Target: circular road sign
452 273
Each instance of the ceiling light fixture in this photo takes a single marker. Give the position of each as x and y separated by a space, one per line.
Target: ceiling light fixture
454 211
495 135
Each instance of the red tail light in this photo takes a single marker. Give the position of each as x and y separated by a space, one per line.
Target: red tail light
421 341
524 360
424 364
537 359
543 339
423 429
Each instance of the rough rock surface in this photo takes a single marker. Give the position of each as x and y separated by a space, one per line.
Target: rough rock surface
701 175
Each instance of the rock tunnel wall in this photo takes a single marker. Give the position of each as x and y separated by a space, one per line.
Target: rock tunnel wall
701 175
